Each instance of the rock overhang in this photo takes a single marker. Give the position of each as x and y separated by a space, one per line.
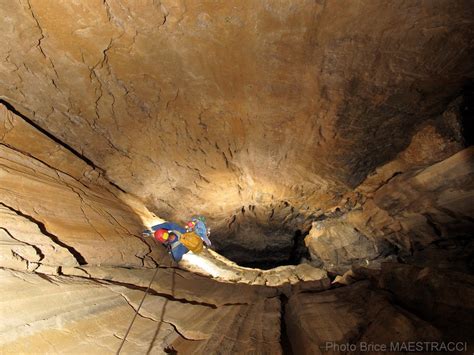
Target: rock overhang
348 122
216 107
255 116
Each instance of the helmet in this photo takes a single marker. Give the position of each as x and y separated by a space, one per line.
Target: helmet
162 235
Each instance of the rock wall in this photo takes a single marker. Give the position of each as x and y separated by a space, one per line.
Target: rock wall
207 107
74 267
403 208
70 314
54 209
328 322
74 271
269 118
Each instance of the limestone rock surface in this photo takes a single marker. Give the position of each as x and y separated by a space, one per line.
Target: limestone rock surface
339 245
325 322
205 107
268 117
69 215
74 267
408 213
443 298
85 316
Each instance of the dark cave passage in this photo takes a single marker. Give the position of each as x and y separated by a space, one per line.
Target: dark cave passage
264 245
269 258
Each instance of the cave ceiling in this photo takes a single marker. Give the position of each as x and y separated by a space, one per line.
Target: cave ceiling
210 107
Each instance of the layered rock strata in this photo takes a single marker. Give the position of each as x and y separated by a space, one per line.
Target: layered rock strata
271 118
74 267
407 214
74 271
207 108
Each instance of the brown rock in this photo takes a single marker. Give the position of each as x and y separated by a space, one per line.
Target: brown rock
446 299
264 116
410 211
334 321
200 108
339 246
79 315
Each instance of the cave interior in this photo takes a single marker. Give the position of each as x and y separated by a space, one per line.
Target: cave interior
328 145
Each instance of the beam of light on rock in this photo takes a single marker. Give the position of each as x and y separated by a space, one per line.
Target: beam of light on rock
199 263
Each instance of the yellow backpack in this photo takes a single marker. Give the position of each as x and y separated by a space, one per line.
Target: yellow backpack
191 241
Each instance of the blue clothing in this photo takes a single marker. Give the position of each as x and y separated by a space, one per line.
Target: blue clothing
201 230
177 250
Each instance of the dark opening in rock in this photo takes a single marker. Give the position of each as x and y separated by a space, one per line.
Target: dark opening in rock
252 244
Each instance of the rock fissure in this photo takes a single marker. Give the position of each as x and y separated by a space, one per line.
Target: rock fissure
49 135
175 328
28 263
39 28
151 291
79 258
37 250
45 163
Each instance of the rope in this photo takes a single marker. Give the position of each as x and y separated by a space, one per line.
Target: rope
137 310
